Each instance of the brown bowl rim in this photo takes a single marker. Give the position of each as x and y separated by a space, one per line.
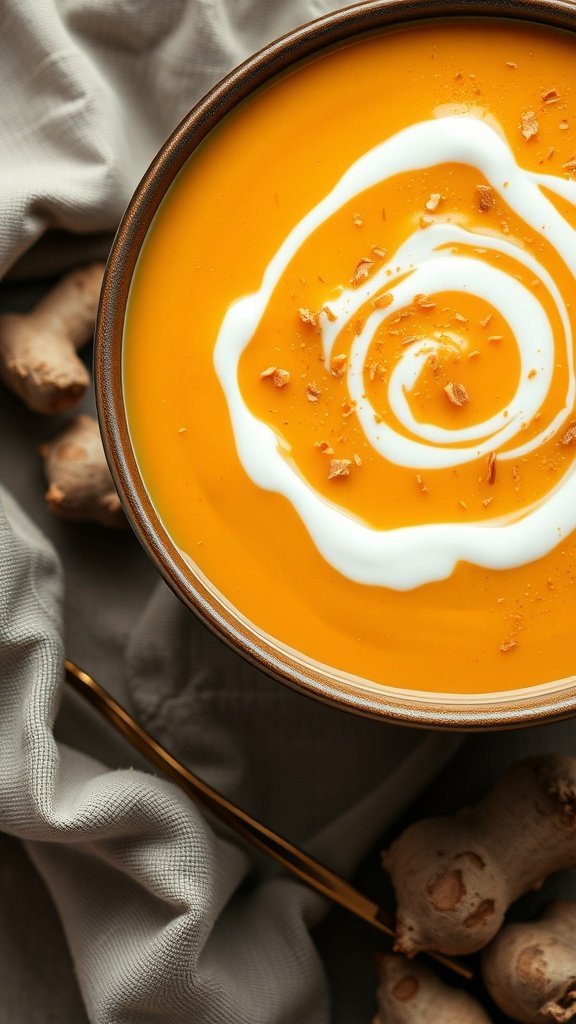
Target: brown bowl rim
474 713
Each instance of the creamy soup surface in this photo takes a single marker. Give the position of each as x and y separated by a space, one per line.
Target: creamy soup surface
349 358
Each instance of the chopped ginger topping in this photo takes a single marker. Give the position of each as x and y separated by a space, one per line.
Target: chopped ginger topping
362 271
456 393
324 447
307 316
528 125
279 377
424 302
485 198
330 314
339 467
338 365
381 301
491 474
508 644
313 392
434 201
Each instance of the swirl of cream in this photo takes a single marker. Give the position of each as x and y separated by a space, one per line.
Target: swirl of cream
407 557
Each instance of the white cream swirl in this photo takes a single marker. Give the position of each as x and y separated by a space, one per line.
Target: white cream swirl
407 557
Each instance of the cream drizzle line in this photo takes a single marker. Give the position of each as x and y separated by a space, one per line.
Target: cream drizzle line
407 557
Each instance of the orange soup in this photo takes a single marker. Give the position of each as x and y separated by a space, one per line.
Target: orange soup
349 357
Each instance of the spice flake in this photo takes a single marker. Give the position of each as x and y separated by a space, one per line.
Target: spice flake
363 268
456 393
528 125
339 467
279 377
484 197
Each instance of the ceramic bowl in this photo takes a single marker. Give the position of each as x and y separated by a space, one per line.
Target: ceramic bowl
409 707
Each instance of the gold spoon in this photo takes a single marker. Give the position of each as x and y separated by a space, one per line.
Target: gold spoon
301 864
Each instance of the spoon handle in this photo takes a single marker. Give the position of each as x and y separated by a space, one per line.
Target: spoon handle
299 863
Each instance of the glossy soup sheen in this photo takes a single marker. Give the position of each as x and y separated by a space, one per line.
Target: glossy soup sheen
228 213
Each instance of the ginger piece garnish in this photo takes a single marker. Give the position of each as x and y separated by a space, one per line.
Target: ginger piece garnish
550 96
487 320
279 377
363 268
339 467
308 317
508 644
532 374
424 302
434 201
421 484
484 197
495 339
528 125
511 64
330 314
563 126
358 222
570 435
456 393
491 472
571 165
338 365
313 392
324 447
380 253
381 301
357 459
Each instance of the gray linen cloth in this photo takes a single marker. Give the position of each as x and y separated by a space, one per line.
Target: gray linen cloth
166 918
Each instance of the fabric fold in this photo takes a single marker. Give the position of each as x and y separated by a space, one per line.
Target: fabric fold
167 919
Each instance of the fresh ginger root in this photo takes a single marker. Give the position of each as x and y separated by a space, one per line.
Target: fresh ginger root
80 485
530 969
38 359
410 993
455 877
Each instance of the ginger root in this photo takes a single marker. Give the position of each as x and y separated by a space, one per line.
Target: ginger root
530 969
38 359
455 877
410 993
80 485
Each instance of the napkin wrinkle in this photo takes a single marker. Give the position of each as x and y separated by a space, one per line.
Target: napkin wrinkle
166 918
279 745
